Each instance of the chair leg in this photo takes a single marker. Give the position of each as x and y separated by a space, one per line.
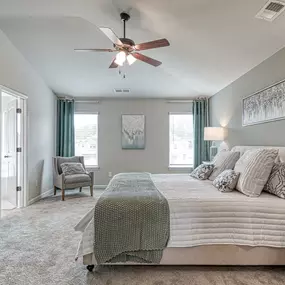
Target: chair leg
62 194
80 189
91 190
54 190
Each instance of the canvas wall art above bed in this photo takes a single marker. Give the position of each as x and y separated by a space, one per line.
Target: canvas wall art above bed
133 131
265 105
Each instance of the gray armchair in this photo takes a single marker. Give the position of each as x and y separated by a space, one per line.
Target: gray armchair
70 181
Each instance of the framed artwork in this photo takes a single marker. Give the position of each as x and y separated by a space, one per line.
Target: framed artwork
265 105
133 131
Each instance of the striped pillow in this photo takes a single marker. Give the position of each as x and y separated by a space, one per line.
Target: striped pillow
254 168
224 160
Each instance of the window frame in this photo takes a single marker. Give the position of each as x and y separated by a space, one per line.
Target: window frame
177 166
91 167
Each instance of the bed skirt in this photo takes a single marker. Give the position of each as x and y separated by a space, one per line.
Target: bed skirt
215 255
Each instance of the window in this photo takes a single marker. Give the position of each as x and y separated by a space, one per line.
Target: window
86 137
180 140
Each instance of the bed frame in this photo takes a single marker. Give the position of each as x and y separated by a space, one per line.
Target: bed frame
217 254
213 255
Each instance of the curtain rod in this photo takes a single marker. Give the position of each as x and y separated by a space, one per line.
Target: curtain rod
87 101
187 101
66 98
179 101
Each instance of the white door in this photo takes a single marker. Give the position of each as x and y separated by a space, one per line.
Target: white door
9 154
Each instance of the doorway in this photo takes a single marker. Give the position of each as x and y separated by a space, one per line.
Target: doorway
12 159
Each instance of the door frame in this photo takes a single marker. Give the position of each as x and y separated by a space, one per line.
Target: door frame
23 198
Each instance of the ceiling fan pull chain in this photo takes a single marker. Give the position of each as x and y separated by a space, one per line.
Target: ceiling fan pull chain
124 68
122 73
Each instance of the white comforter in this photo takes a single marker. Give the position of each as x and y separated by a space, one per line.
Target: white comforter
201 215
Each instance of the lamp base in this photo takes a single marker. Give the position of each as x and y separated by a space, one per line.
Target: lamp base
213 151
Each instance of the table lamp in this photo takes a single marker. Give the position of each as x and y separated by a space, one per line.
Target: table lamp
214 134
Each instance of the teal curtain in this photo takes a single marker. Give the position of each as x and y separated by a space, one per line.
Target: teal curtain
200 121
65 128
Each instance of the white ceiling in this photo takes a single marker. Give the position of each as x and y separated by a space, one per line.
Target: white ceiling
212 43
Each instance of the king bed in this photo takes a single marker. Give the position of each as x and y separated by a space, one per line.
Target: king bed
208 227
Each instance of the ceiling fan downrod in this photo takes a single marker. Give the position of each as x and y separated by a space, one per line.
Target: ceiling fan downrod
125 17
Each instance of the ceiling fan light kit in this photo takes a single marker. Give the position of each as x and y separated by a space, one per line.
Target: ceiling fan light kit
126 48
131 59
120 58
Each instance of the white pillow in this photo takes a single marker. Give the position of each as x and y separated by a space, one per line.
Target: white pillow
254 167
224 160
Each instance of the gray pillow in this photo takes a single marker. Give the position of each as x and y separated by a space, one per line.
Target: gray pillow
226 181
71 168
276 182
224 160
203 171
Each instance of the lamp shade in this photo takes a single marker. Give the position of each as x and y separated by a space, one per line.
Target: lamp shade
214 134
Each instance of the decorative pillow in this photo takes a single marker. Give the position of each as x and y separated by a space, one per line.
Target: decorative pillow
226 181
224 160
203 171
276 182
71 168
254 168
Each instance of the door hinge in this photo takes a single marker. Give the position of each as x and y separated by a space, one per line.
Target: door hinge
18 110
18 149
18 188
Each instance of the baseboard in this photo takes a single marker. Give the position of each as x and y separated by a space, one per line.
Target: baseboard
50 193
99 187
41 196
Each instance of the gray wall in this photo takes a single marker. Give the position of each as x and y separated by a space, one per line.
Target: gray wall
16 73
226 105
155 157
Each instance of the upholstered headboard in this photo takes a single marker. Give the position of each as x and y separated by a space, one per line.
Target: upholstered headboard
242 149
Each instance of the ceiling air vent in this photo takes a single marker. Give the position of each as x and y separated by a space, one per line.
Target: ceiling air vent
271 10
122 91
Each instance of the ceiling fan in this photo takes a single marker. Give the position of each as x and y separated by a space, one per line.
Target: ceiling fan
126 48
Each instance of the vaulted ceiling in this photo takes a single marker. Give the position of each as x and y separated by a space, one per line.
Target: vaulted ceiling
212 43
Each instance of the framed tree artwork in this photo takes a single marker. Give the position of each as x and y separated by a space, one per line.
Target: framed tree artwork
133 131
265 105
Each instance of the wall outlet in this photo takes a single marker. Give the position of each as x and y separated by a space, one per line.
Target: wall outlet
110 174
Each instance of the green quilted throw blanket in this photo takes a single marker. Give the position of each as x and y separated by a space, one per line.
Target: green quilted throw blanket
131 221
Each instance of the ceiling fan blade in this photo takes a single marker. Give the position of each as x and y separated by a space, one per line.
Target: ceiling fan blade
111 35
154 44
146 59
94 50
113 64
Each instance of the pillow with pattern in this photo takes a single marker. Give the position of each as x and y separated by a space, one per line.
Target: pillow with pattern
226 181
276 181
203 171
71 168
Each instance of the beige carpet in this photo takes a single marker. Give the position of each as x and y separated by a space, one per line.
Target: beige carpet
38 245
